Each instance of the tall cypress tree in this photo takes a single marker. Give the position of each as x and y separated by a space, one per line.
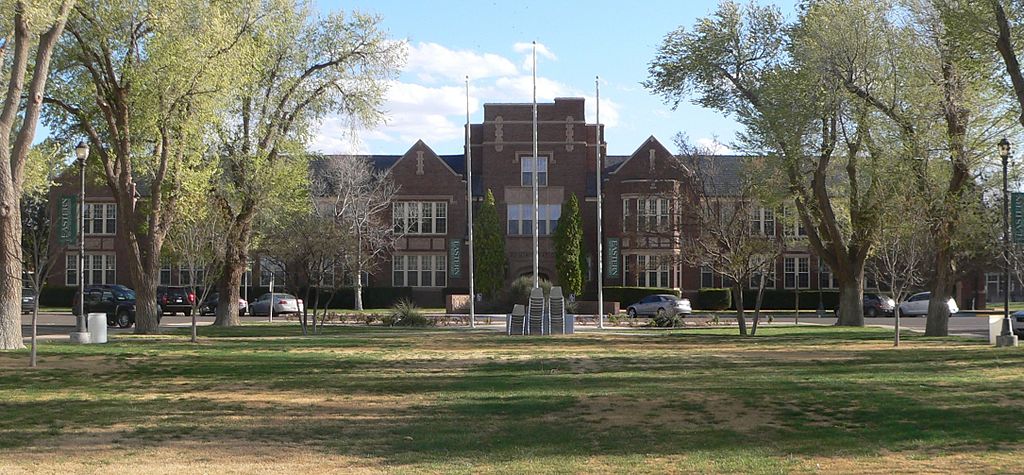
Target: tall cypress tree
490 262
569 248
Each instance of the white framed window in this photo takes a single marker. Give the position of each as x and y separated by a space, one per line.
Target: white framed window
652 271
762 221
99 269
645 214
792 225
270 267
526 167
165 275
826 279
520 219
420 270
420 217
797 272
100 218
707 277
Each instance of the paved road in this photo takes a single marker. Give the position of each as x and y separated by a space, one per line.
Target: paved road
55 325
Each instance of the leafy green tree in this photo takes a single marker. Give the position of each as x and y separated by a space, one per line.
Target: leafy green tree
31 32
569 248
144 81
490 264
306 68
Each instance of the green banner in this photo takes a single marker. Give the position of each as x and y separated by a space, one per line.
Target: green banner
1017 217
67 220
455 258
613 260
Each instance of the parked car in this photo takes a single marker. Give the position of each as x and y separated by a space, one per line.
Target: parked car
283 304
209 306
171 300
1017 320
876 305
917 304
28 300
116 301
659 303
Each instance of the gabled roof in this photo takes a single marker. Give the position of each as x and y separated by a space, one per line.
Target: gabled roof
650 140
427 147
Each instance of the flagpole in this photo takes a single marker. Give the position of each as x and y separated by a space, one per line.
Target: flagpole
469 213
600 169
536 234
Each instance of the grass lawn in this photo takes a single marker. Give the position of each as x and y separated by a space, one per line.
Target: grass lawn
263 398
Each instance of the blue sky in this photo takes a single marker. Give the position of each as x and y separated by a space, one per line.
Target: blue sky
489 41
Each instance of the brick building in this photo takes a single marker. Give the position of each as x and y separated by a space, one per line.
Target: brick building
431 210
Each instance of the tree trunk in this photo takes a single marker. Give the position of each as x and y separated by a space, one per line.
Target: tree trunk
737 291
757 306
851 302
236 257
358 287
942 290
896 316
10 275
35 332
146 320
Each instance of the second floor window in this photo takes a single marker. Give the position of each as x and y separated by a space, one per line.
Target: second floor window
762 221
526 166
520 219
645 214
100 218
420 217
792 226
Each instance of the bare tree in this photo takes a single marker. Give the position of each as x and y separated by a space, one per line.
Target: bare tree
357 197
716 228
196 242
903 250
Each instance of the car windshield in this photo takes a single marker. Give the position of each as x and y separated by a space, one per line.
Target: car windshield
127 293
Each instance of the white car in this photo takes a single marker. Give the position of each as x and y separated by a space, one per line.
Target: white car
283 304
917 304
659 304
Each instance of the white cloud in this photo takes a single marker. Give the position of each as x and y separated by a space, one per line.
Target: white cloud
431 61
714 146
527 50
418 107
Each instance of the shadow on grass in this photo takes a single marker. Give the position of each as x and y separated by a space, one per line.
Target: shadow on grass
412 398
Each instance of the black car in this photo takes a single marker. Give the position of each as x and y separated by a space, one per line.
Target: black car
876 305
116 301
28 301
175 299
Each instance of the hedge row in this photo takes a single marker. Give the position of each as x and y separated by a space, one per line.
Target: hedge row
713 299
776 299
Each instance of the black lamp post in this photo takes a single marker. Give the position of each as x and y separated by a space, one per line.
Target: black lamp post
1004 153
81 152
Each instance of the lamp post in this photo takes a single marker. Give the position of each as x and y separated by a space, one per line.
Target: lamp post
1006 337
81 153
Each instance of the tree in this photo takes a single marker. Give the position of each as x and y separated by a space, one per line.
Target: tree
898 262
569 248
1007 47
195 242
719 211
739 62
143 82
356 196
42 165
306 68
26 26
491 263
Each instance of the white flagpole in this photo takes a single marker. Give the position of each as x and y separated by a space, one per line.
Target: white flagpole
469 213
600 169
536 214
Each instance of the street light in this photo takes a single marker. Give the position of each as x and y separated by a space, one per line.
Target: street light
81 152
1006 337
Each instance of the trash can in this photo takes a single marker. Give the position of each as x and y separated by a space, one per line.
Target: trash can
995 328
97 328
